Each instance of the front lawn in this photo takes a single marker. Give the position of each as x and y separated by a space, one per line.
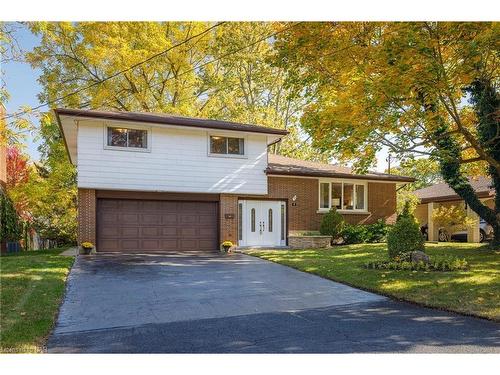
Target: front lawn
475 291
32 286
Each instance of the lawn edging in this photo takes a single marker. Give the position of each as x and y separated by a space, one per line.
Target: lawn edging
389 295
63 298
34 284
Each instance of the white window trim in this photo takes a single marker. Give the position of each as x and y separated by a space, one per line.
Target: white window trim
342 181
233 156
130 149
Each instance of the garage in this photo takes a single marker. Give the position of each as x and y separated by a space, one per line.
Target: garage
141 226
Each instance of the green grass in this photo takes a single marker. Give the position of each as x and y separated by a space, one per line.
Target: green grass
473 292
32 286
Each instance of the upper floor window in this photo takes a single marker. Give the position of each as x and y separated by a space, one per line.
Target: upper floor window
227 145
345 196
124 137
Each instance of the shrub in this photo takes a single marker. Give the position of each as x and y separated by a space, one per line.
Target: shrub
354 234
332 224
405 212
369 233
404 236
11 225
377 232
449 263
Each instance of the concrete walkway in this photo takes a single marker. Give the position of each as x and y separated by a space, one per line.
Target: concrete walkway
237 303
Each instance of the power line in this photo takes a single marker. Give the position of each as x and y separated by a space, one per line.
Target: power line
115 74
260 40
215 59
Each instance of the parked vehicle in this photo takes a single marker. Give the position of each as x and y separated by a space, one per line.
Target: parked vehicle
485 233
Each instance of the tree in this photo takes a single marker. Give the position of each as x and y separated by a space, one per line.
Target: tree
451 218
427 88
247 87
425 171
10 50
51 188
17 167
240 84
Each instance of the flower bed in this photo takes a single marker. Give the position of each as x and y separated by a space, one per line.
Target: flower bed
443 264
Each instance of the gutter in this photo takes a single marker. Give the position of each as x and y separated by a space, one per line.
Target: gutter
402 186
337 175
448 198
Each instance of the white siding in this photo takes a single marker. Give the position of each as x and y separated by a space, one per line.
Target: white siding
178 162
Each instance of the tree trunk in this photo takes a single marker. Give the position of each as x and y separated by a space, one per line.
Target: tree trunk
450 169
486 105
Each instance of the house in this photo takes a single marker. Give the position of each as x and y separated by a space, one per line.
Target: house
155 182
442 194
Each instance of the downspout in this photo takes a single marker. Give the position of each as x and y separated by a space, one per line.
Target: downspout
402 186
274 142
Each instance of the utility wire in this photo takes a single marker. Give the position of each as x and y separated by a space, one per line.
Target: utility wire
260 40
223 56
115 74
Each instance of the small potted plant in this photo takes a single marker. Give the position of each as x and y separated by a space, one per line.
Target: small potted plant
87 247
226 245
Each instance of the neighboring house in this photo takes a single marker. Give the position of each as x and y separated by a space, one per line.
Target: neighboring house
150 182
441 194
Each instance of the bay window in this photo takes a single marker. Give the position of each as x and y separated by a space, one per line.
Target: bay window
344 196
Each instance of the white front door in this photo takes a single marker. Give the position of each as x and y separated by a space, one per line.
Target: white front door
262 223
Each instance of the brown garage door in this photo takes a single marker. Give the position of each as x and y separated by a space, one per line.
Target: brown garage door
135 226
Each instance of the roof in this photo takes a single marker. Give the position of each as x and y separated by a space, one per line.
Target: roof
443 192
281 165
165 119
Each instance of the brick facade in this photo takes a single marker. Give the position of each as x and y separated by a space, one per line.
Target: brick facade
302 214
228 227
86 216
381 202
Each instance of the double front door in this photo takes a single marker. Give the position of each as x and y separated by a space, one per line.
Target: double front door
263 223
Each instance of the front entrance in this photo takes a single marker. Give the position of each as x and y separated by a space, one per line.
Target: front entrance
262 223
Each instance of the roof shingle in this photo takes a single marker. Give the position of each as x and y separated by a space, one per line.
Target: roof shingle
161 118
442 191
281 165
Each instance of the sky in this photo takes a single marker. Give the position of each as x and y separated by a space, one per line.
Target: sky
21 83
23 87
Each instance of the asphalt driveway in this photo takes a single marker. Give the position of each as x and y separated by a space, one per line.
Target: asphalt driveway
191 303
